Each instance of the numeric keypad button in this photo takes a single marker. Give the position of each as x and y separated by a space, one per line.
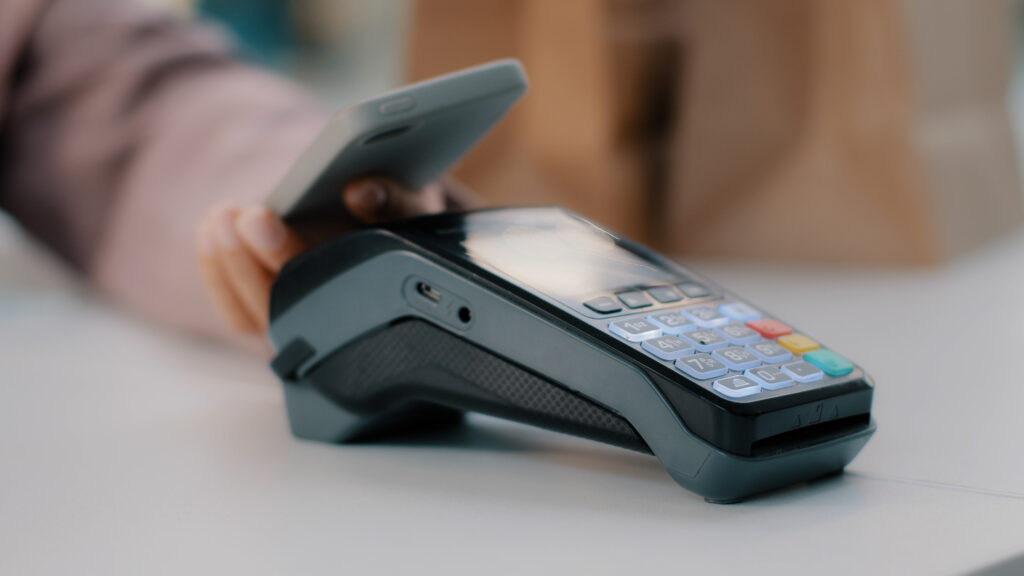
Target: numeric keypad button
705 340
737 358
770 352
740 311
739 334
803 372
705 316
736 386
634 329
667 347
671 323
701 367
769 377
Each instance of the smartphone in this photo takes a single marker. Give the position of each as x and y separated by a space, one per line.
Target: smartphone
411 135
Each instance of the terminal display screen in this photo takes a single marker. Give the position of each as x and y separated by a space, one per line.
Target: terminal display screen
553 253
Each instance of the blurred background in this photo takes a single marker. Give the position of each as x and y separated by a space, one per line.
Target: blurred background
870 132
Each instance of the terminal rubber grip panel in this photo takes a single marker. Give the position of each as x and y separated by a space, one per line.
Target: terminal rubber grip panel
412 368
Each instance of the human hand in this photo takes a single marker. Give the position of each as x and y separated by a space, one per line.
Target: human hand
242 248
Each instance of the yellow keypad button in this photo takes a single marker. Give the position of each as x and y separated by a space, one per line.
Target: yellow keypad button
797 343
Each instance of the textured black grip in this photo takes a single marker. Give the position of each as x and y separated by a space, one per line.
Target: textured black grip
413 361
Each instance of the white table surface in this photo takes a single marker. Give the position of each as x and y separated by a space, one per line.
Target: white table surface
125 449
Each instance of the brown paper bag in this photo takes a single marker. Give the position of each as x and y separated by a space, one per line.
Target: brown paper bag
568 142
873 131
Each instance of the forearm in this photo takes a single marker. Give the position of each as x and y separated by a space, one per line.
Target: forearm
123 128
241 133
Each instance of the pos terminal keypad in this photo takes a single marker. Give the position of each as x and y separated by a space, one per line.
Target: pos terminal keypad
728 346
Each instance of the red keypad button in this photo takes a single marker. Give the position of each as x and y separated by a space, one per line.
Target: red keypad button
769 327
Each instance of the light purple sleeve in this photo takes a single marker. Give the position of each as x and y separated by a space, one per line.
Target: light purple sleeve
119 127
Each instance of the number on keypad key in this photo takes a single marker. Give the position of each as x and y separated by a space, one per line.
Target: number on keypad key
671 323
770 352
701 366
634 329
667 347
737 358
705 316
739 334
705 340
770 377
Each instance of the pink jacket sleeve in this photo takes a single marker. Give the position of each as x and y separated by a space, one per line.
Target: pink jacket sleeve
119 127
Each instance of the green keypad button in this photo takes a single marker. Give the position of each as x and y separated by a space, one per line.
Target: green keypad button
831 363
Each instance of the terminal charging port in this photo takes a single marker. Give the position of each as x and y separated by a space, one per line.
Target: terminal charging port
441 304
428 292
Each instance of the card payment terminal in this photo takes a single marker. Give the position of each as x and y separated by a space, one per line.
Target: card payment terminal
540 316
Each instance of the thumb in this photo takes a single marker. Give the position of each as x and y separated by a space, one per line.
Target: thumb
375 200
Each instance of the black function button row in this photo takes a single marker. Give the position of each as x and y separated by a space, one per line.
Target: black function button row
634 299
603 305
639 299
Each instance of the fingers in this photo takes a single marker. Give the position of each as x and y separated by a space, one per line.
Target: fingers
219 286
457 196
374 200
240 252
249 278
267 237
